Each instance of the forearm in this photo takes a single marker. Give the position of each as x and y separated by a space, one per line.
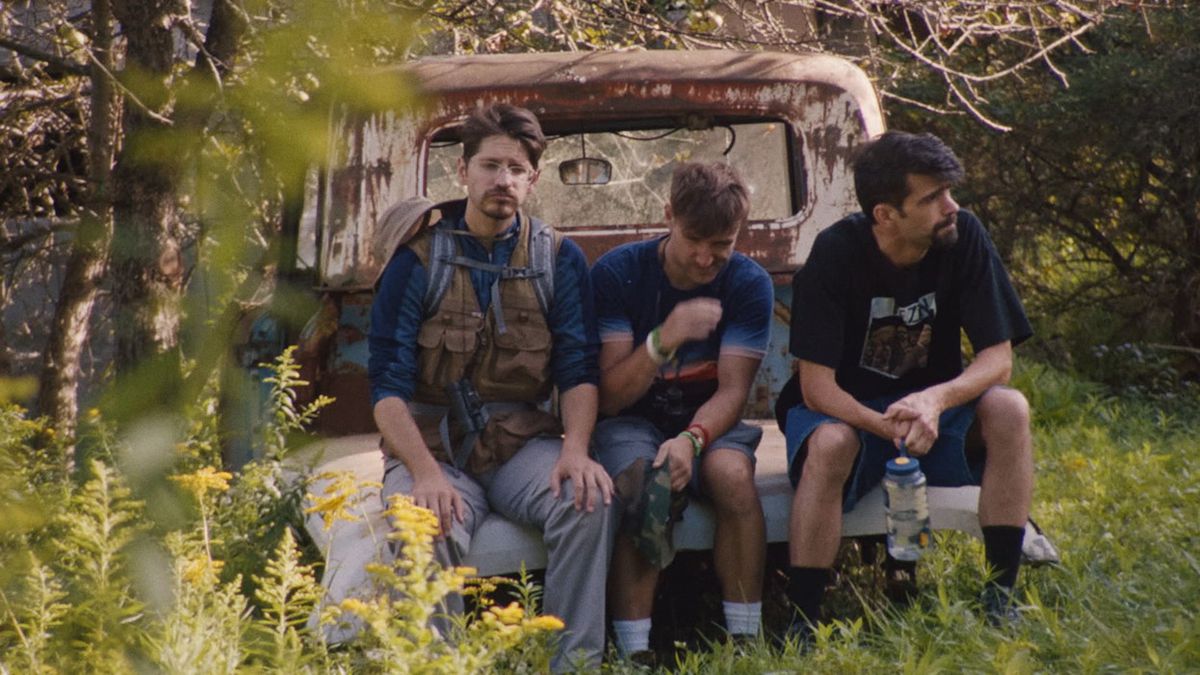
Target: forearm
735 376
578 405
402 439
627 379
822 393
720 413
991 367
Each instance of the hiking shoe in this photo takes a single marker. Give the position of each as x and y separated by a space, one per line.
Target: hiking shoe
644 659
653 517
900 582
799 632
999 607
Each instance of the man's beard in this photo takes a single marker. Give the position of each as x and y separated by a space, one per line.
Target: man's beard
945 235
499 209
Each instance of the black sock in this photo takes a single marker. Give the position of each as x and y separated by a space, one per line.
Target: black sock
1002 547
806 590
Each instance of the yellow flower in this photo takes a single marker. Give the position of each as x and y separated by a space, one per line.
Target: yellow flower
412 523
355 606
341 493
201 570
1075 463
510 615
93 413
547 623
202 481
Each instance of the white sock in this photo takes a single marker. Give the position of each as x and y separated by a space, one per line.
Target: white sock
632 636
743 618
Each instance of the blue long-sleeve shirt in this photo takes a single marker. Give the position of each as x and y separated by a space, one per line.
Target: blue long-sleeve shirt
398 312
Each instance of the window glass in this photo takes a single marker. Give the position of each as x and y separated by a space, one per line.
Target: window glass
642 163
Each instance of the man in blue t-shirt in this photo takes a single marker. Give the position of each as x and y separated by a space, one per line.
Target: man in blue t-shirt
684 322
877 315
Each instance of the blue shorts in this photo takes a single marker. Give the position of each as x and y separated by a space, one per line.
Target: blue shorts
620 441
948 464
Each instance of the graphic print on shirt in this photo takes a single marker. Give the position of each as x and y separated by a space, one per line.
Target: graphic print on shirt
898 338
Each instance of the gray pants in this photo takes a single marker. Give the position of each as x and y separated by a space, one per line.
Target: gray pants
578 543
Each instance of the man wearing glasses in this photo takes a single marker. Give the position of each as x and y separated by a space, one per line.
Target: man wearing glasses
684 323
475 321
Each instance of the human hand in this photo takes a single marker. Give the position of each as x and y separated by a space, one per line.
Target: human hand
434 492
691 320
921 412
679 452
588 477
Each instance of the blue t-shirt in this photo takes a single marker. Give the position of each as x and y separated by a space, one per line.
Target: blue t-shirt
633 295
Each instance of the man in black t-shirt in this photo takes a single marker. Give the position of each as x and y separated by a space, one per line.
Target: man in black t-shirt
877 316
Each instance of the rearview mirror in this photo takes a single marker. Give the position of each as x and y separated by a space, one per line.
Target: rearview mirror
585 171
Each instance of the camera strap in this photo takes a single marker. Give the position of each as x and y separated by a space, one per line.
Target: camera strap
460 455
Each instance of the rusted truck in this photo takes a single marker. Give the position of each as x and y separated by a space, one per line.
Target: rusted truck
617 123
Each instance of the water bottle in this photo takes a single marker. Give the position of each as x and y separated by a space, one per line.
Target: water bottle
908 533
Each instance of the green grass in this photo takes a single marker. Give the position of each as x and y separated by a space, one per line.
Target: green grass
1118 491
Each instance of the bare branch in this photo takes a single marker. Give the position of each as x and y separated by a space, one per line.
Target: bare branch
39 55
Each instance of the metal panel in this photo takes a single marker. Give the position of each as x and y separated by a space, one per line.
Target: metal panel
378 159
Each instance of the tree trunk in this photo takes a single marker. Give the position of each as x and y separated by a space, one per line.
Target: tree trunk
147 264
59 382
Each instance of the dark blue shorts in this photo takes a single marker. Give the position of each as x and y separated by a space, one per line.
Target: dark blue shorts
948 463
620 441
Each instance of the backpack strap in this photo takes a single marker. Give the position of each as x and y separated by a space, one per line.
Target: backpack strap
442 249
543 252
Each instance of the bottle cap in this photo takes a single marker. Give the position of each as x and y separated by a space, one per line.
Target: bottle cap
903 466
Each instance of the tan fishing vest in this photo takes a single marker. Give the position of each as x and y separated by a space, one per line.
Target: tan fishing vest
509 367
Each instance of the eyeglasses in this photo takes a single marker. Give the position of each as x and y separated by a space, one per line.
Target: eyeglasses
519 173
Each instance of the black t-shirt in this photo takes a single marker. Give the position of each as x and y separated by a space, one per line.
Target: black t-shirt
885 329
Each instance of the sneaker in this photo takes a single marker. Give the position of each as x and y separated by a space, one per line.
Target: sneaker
999 607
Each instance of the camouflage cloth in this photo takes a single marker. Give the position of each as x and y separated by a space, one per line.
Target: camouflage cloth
650 520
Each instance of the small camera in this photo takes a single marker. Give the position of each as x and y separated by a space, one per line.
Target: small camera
466 407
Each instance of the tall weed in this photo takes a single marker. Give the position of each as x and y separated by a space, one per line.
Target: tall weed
90 581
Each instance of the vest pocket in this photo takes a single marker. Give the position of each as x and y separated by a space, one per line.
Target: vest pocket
444 351
522 355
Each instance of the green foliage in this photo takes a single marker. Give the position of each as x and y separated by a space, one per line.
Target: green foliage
1091 198
117 593
287 418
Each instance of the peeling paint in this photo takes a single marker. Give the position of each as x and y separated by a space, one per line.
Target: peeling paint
378 159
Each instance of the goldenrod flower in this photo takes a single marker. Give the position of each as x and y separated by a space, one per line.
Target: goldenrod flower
510 615
412 523
547 623
355 606
198 571
204 480
340 494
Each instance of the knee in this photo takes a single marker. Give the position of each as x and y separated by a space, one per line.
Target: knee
831 451
729 478
582 522
627 485
1003 410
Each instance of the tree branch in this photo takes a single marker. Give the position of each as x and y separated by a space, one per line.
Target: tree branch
45 57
